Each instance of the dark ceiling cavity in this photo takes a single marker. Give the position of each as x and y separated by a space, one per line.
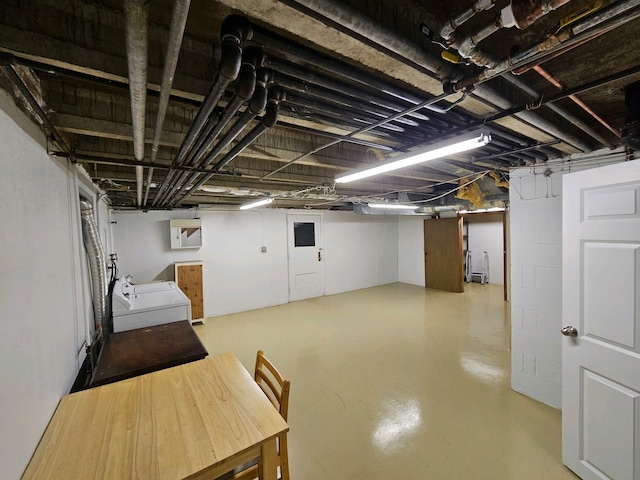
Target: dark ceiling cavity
222 102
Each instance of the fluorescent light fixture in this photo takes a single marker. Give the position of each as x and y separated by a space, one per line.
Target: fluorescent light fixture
397 206
438 150
259 203
484 210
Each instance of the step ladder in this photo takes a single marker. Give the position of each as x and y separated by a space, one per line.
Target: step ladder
478 277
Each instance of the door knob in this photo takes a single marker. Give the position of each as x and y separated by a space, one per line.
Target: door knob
569 331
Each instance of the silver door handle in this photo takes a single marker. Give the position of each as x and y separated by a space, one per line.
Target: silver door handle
569 331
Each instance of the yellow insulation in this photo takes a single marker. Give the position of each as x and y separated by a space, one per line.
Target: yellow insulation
499 181
471 191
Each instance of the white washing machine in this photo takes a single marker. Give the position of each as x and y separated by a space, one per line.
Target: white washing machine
147 304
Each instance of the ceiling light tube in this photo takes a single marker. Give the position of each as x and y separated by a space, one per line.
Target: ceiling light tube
259 203
438 150
397 206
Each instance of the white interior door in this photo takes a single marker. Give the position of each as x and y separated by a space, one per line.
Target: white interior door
306 273
601 302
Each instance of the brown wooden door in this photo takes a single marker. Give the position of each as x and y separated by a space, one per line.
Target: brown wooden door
443 262
189 279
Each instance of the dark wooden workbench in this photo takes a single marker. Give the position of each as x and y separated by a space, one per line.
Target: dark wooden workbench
144 350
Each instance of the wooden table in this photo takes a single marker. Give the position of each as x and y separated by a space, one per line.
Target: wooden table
197 420
144 350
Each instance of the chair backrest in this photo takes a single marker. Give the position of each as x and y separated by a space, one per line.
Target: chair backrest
272 384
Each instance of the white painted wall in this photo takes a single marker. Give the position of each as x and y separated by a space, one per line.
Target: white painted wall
359 252
536 284
486 237
411 250
536 278
236 275
41 300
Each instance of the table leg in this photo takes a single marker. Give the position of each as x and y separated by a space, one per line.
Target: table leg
268 465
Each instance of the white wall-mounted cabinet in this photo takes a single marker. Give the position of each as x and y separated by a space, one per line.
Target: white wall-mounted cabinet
186 232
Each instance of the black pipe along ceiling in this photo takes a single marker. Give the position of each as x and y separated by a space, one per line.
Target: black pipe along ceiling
276 99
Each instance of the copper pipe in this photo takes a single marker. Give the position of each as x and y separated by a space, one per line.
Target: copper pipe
554 81
557 53
526 12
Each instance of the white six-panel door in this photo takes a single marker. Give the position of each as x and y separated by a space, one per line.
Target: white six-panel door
601 301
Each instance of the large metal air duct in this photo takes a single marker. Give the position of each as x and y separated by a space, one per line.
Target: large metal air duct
176 32
137 13
97 267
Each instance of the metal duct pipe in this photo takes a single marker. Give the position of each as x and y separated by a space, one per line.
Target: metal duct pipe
293 84
256 107
368 128
517 151
607 19
487 93
137 13
248 80
345 17
506 148
468 47
448 30
97 267
519 13
230 136
269 119
246 84
322 133
387 89
234 31
333 66
555 53
343 124
561 111
262 104
176 32
235 130
295 71
31 100
404 52
523 13
544 101
337 112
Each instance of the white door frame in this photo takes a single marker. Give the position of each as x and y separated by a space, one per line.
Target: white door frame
306 263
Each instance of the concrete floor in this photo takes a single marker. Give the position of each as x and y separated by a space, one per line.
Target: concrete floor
399 382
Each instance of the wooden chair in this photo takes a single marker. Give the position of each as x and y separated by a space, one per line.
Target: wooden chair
276 388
